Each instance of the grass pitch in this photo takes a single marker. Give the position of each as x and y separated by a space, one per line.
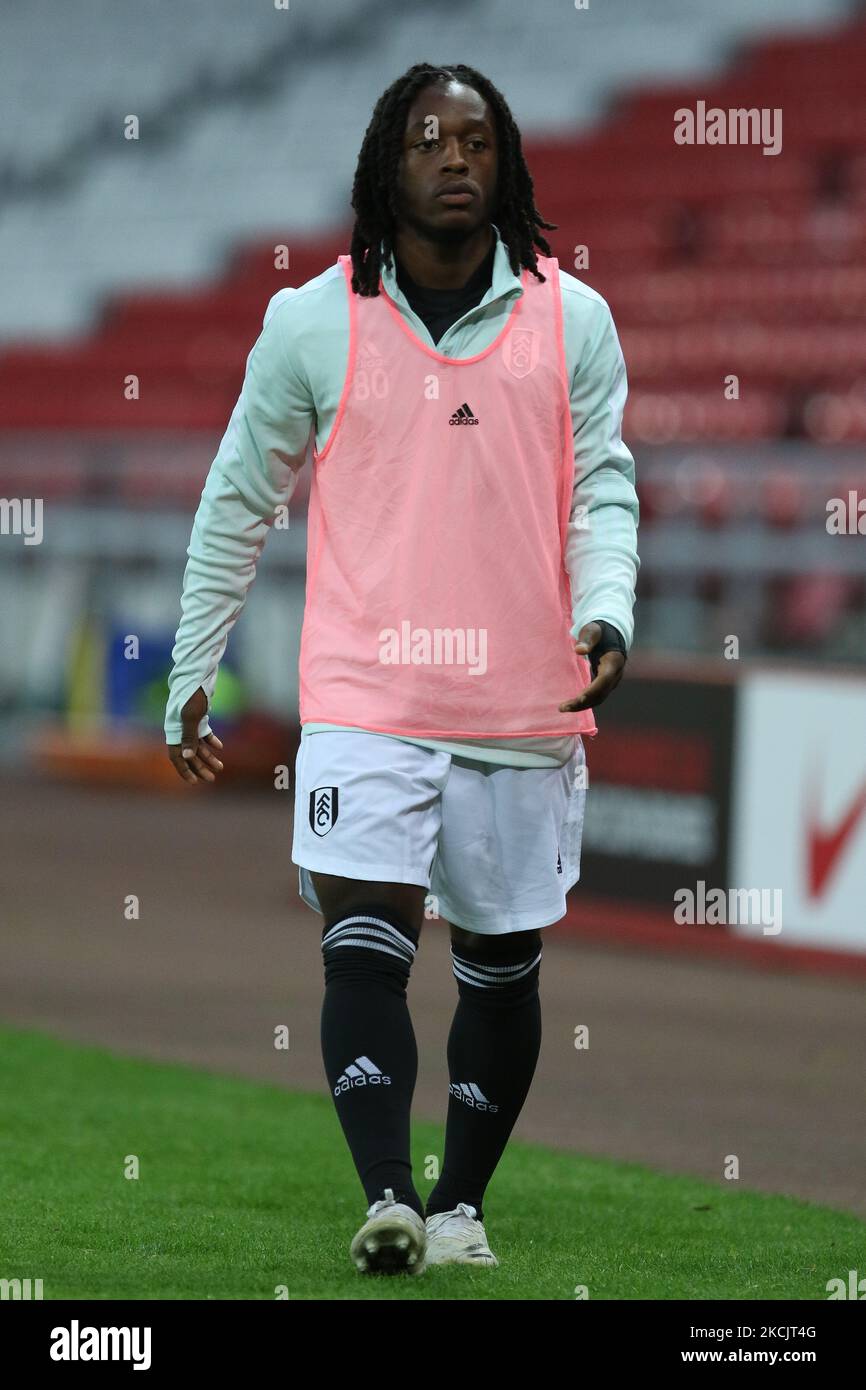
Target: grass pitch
245 1191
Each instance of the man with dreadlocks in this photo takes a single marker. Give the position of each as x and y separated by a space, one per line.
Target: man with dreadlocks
470 582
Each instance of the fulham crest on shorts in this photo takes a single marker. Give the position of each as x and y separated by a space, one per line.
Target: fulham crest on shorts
324 809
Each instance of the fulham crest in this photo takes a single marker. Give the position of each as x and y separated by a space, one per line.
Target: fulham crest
324 809
521 351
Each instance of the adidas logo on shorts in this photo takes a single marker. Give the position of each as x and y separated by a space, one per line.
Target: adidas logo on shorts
361 1072
471 1095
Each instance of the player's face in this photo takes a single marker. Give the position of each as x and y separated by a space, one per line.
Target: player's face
450 139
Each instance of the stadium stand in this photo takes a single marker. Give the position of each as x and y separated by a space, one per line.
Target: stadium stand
666 238
157 256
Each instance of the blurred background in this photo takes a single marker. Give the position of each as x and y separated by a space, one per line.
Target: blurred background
734 754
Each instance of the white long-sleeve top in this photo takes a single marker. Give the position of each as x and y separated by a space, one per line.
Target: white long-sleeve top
290 394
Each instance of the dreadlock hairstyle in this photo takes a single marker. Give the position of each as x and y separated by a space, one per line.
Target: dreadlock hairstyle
374 190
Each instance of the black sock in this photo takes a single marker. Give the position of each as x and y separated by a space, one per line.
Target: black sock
493 1049
368 1044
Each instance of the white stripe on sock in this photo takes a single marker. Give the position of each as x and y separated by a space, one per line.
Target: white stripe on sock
485 976
384 929
374 946
366 936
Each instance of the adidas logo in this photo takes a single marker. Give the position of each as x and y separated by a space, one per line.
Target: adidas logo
369 356
463 416
471 1095
361 1072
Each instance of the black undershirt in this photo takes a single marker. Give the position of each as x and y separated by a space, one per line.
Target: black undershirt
439 309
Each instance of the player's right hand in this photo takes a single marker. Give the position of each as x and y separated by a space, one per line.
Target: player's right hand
194 758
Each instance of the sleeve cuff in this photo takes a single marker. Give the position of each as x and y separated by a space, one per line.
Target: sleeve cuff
174 731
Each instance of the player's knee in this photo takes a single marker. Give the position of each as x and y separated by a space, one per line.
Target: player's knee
506 945
371 941
338 896
497 970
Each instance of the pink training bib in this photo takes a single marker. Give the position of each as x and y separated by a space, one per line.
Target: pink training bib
438 603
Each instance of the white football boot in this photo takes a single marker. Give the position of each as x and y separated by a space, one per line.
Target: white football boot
392 1240
457 1238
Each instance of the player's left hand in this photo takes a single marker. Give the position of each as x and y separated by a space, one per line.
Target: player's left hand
607 676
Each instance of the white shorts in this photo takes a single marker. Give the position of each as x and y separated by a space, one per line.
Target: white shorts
497 847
